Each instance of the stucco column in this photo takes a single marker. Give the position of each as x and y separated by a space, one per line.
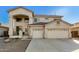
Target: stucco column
70 34
14 24
23 26
31 19
10 26
20 34
30 32
43 31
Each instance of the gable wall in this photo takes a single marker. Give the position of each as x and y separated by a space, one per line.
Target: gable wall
55 25
21 11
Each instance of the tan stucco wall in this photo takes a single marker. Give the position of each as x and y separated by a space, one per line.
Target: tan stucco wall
55 25
75 29
43 19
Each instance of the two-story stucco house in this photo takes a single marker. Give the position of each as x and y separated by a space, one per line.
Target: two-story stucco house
24 23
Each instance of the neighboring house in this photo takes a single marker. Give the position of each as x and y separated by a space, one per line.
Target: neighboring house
75 30
24 23
3 31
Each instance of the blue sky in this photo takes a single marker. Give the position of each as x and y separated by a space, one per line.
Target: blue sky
70 13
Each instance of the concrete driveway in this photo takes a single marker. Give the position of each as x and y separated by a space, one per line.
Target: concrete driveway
53 45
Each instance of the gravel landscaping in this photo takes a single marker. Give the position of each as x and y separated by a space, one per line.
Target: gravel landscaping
14 45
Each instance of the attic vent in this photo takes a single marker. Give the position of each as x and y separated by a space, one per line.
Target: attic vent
58 22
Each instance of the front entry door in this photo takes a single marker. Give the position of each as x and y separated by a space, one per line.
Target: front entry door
25 34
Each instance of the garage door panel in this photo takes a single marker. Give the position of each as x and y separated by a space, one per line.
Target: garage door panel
58 34
37 34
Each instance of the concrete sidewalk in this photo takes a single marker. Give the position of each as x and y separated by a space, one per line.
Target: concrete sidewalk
53 45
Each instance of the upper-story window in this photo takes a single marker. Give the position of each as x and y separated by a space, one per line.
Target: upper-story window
35 19
46 18
18 19
57 21
26 20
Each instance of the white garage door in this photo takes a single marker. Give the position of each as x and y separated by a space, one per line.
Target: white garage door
37 33
57 34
